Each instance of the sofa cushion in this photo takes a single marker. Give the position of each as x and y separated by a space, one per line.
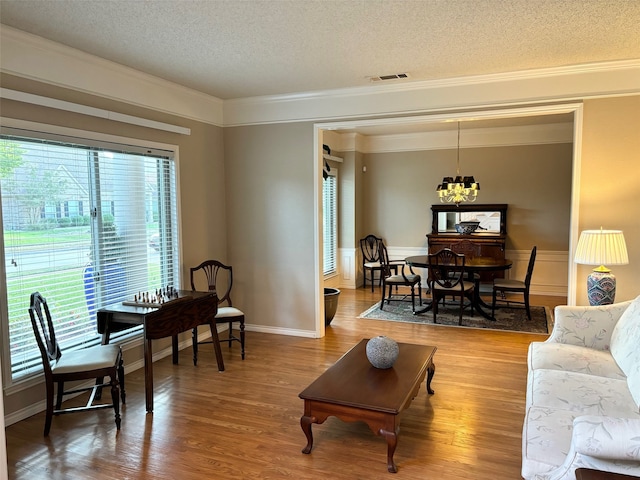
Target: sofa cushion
580 393
546 439
589 326
572 358
625 347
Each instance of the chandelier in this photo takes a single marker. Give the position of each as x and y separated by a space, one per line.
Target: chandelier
459 189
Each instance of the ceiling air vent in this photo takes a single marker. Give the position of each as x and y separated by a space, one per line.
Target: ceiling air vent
395 76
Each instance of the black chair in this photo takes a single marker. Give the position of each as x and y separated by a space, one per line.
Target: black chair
93 363
504 286
403 279
447 278
219 279
371 262
370 249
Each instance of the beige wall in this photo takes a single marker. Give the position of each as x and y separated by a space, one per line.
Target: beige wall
608 184
534 180
270 223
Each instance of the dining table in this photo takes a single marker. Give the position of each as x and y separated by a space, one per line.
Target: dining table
473 267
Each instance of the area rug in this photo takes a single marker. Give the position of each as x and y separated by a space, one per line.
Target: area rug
512 319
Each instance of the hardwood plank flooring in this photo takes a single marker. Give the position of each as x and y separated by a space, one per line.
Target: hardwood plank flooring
245 423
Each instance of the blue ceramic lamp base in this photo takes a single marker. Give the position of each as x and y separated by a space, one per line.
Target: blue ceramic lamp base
601 288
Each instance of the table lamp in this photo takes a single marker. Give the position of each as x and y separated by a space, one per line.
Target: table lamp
600 247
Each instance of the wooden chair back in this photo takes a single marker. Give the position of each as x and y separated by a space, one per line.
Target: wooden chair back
44 331
370 247
446 270
532 261
219 279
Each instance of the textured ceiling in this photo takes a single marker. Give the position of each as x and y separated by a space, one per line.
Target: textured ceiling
243 48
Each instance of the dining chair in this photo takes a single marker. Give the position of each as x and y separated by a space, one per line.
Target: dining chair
402 279
370 249
92 363
504 286
469 250
447 278
371 262
219 278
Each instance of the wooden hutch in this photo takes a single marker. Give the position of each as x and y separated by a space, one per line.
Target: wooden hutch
488 241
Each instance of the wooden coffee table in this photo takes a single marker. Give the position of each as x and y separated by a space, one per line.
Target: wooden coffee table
354 390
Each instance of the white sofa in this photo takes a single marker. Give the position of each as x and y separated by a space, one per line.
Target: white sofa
583 394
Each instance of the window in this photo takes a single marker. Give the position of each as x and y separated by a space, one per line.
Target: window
330 222
86 224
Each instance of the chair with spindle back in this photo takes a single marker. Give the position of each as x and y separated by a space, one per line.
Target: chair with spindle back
219 279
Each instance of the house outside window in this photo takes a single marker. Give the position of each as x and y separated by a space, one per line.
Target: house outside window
77 223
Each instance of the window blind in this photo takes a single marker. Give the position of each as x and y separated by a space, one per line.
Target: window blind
330 223
86 226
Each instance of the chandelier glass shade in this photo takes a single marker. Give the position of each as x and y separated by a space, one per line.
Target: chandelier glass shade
459 189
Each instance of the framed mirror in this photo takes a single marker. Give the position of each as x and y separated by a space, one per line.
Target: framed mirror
492 218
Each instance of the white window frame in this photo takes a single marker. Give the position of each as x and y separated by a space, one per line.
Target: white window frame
9 126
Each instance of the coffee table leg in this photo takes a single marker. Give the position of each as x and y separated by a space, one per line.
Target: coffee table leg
305 423
431 371
392 442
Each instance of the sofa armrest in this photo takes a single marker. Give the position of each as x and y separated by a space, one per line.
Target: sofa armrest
602 443
608 438
586 326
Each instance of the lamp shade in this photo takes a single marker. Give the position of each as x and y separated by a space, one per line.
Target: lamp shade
601 247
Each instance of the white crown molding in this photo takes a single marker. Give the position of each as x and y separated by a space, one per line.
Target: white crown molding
472 138
538 86
33 57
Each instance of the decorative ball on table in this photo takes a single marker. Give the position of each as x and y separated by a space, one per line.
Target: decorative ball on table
382 351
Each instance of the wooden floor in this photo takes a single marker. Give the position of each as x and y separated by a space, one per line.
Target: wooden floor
245 423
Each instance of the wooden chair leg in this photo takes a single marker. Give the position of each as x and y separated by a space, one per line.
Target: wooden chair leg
49 412
493 304
413 299
115 398
59 395
230 333
434 306
242 337
526 305
123 395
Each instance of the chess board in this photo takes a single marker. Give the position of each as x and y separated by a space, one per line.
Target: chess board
156 298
